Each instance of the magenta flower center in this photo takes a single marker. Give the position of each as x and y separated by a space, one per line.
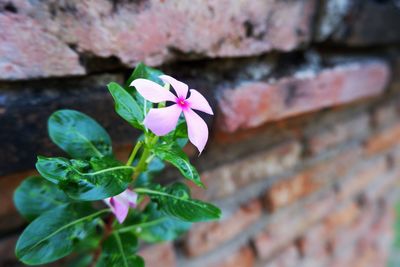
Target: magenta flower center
182 103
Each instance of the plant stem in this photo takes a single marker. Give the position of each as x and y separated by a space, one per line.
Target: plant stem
133 153
142 164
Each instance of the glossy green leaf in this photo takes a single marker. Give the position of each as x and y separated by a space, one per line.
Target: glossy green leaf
178 136
35 195
145 72
78 134
126 106
119 250
84 260
175 201
96 179
178 158
56 233
152 225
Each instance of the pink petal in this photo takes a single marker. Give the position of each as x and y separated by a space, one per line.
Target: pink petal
180 88
130 197
197 129
152 91
198 102
162 120
118 207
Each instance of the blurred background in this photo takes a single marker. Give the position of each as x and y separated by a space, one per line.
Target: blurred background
304 150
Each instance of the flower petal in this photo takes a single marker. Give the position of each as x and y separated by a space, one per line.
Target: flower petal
130 197
197 129
197 101
162 120
180 88
118 207
152 91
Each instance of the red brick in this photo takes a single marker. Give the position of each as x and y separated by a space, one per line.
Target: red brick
204 237
227 179
311 179
242 258
28 50
254 103
337 133
383 140
161 253
342 217
286 192
149 31
287 258
288 225
384 115
360 179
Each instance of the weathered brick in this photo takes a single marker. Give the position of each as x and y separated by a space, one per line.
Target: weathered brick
243 258
227 179
288 257
383 140
311 179
385 115
204 237
359 180
287 225
251 104
160 253
149 31
337 133
27 50
288 191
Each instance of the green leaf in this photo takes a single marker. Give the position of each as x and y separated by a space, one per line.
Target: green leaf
126 106
153 225
144 72
78 134
83 260
56 233
119 250
178 136
96 179
178 158
35 195
175 201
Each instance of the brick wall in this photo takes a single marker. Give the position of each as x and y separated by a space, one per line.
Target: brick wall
304 154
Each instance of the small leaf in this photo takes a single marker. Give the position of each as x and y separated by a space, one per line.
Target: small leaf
175 156
78 134
56 233
175 201
144 72
153 225
126 106
35 195
86 180
119 250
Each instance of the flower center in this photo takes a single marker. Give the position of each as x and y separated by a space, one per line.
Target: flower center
182 102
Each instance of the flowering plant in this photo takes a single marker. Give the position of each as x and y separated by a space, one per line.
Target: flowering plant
97 208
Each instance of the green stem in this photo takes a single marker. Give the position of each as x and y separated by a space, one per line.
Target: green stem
133 153
143 161
140 225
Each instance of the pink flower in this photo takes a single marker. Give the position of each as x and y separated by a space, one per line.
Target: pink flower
161 121
120 204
